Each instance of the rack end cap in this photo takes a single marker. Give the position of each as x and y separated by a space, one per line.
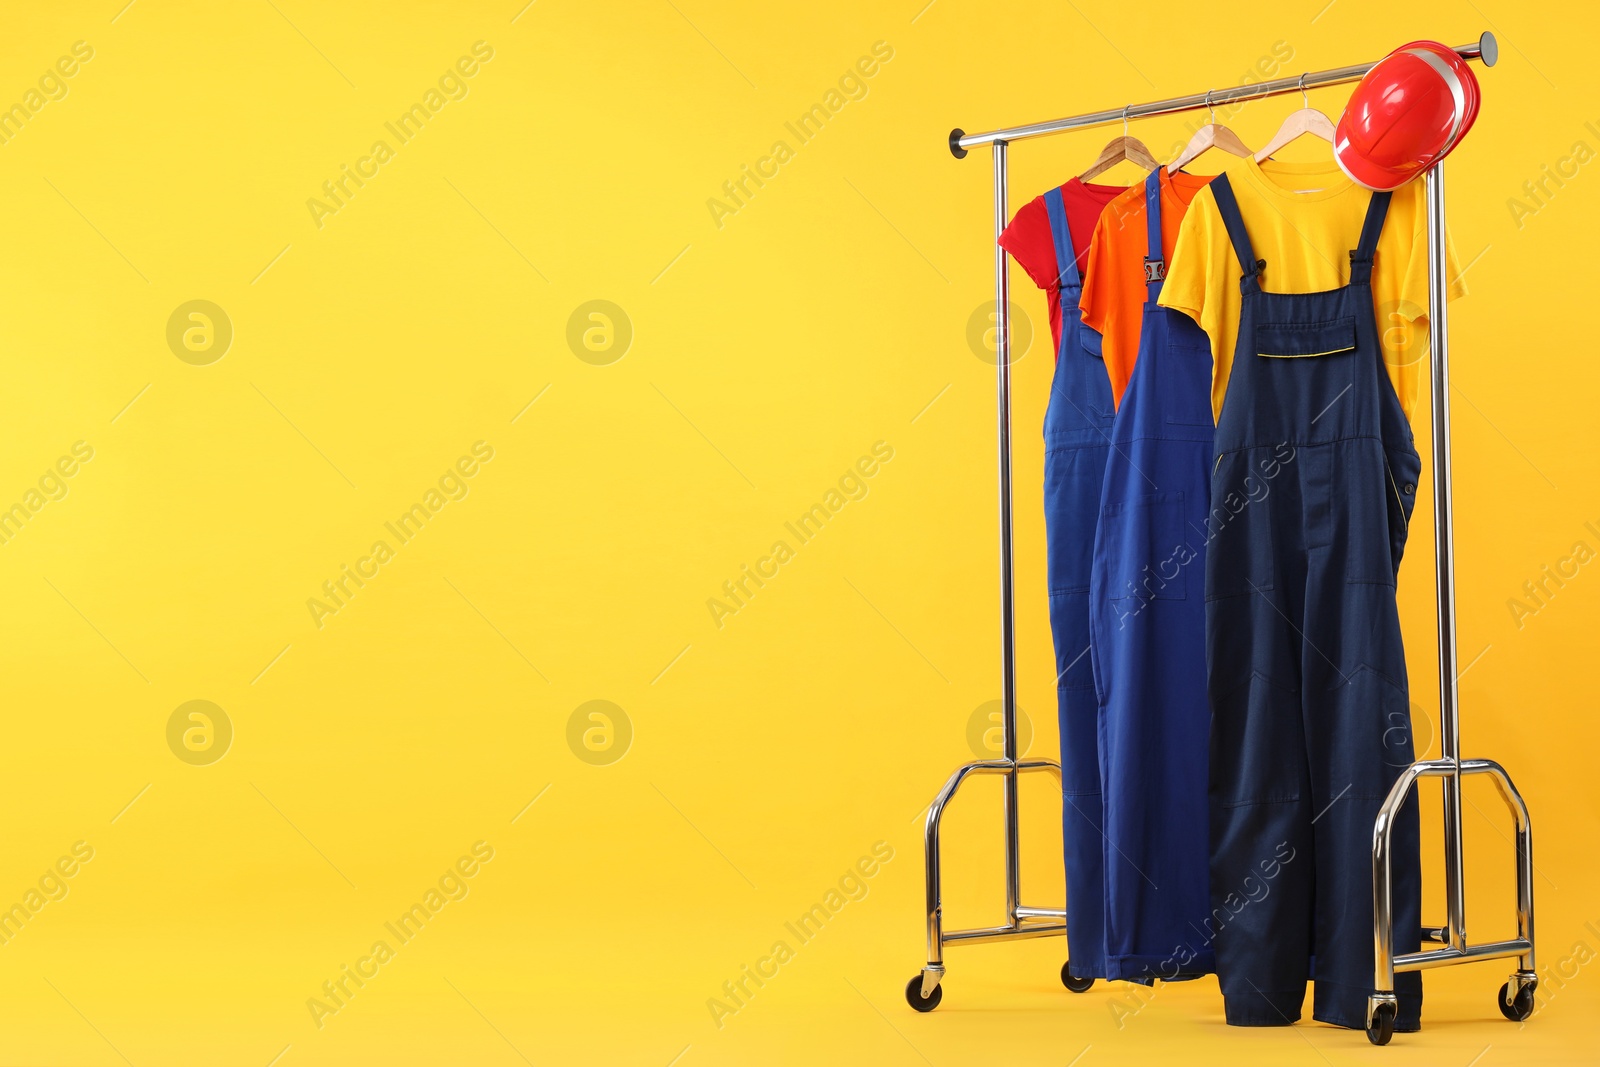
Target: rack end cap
1488 49
955 143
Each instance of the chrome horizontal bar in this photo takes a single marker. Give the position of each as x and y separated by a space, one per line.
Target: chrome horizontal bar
1001 766
1444 768
1483 49
1445 957
1040 913
1003 933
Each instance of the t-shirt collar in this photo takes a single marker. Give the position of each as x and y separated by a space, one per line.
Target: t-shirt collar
1328 180
1181 188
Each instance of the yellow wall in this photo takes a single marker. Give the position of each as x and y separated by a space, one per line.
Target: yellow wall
772 348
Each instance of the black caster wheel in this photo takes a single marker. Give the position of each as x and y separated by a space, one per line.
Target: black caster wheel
915 998
1382 1028
1516 1008
1077 985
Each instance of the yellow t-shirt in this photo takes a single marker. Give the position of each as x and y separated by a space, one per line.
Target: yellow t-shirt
1304 219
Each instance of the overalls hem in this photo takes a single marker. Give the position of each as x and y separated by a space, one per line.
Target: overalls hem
1147 968
1272 1007
1351 1011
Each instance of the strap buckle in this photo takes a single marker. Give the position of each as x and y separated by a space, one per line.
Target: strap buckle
1155 270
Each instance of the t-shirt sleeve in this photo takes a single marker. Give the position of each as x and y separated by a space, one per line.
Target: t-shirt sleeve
1203 283
1402 302
1414 287
1031 244
1098 290
1193 260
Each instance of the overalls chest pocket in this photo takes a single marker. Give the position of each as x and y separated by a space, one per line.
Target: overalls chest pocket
1300 340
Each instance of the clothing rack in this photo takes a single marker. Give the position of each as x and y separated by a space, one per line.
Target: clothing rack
1516 996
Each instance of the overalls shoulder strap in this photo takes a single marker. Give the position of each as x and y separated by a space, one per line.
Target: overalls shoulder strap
1155 264
1228 208
1371 230
1066 256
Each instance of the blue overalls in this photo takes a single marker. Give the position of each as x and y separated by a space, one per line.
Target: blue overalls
1147 613
1077 424
1312 491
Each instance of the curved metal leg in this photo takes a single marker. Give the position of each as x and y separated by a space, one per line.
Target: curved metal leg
933 871
1514 801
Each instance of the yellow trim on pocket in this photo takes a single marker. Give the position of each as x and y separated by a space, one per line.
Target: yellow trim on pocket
1305 355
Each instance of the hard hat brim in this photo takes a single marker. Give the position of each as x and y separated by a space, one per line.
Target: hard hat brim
1369 175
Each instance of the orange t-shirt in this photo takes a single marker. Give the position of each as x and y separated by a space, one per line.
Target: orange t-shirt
1114 287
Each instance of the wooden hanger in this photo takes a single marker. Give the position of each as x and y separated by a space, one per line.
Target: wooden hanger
1211 135
1119 150
1299 123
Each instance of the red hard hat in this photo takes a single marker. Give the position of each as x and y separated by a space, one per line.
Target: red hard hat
1410 110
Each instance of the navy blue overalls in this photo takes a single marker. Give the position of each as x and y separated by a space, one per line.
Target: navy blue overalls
1312 491
1077 424
1148 624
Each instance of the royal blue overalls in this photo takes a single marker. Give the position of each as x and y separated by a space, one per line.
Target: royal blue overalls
1148 620
1312 491
1077 425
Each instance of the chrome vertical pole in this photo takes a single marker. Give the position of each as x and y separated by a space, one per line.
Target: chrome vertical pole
1008 620
1444 556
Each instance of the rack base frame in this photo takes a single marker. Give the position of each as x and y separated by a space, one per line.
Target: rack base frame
923 992
1515 1001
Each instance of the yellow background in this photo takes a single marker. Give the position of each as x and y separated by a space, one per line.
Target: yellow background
768 354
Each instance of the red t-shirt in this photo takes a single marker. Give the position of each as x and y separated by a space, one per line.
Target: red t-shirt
1031 244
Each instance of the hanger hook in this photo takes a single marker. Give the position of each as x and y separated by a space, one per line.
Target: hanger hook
1305 101
1211 112
1125 111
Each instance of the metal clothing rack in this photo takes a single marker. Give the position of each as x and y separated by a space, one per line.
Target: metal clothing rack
1516 996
